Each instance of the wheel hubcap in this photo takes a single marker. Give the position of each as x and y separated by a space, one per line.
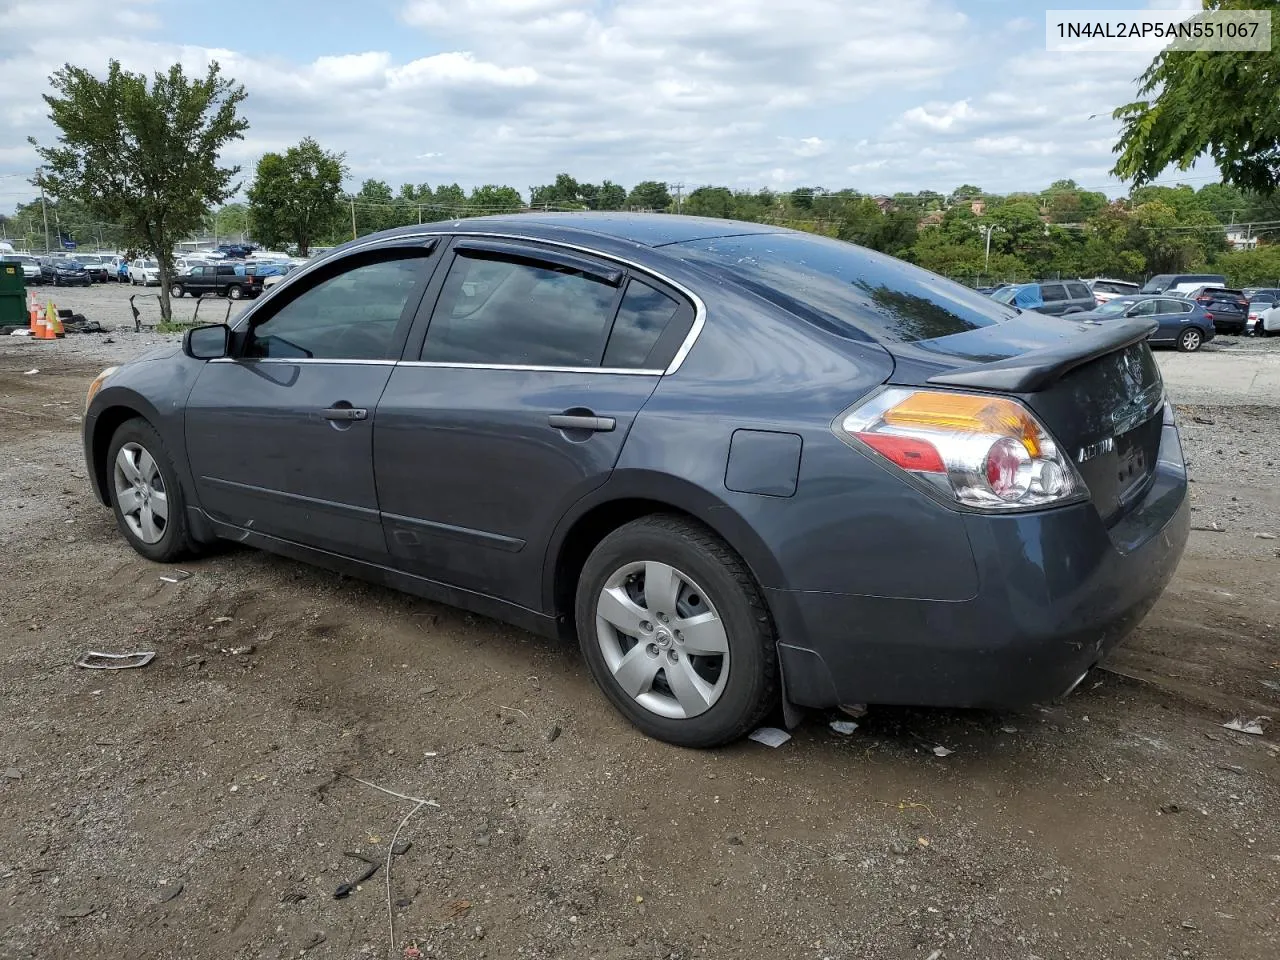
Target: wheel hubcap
662 639
140 493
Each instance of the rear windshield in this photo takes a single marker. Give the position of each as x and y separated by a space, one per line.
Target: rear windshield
845 288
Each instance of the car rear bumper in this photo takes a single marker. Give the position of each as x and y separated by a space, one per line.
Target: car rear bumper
1057 591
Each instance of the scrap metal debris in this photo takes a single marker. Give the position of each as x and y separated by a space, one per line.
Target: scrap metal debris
769 736
1241 725
176 577
97 660
843 727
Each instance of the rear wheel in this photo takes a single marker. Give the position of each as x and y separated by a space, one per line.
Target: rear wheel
145 494
235 292
1190 340
676 633
177 291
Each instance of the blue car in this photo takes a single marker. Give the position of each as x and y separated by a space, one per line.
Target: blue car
749 469
1183 323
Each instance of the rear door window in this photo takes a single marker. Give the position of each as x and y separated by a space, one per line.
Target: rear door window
849 290
1078 291
1053 292
649 327
518 313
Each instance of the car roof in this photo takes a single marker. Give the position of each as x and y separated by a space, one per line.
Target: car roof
645 229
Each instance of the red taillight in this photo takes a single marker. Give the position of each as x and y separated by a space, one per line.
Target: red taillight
1208 315
909 453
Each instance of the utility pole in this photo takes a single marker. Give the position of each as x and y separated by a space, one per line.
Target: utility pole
679 188
987 229
353 218
43 209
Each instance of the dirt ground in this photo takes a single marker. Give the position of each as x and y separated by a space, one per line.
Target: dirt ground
204 806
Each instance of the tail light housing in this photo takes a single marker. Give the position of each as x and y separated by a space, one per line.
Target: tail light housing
970 449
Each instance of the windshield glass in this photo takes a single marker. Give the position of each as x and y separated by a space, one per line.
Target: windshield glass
844 288
150 265
1113 308
1005 294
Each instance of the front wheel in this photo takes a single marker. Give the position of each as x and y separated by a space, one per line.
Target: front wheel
676 633
145 494
176 291
1190 341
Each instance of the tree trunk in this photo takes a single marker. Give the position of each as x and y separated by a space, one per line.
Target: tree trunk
164 257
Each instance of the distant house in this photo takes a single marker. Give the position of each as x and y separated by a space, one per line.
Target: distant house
978 207
933 219
1241 238
884 203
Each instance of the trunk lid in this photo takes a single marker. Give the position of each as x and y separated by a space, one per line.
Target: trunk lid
1096 387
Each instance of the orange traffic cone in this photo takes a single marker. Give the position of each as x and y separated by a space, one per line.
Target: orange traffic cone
44 331
34 312
54 321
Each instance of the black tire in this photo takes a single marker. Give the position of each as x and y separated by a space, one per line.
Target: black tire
177 291
235 292
176 543
1190 340
751 689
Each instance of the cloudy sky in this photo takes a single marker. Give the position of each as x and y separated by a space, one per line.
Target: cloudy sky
880 96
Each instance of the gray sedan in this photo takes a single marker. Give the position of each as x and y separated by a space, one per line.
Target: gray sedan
750 470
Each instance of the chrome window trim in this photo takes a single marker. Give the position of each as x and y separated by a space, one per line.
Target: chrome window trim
532 367
695 330
340 360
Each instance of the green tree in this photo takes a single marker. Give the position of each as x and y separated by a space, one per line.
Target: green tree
230 220
495 199
566 192
375 208
610 196
649 195
710 202
295 195
1199 102
144 157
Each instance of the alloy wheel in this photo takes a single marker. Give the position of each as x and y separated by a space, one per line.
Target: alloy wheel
1191 340
140 493
662 639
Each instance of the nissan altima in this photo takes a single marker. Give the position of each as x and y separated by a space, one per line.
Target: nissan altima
749 469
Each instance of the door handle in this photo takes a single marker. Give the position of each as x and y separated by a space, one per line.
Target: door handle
346 413
565 421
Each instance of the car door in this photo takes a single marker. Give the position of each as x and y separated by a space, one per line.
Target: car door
1172 314
532 368
1055 299
280 435
1081 298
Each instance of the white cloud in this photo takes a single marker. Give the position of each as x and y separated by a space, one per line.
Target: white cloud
901 96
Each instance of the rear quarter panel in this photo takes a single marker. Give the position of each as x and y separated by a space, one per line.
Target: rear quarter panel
851 525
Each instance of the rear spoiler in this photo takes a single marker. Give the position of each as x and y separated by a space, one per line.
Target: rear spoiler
1039 369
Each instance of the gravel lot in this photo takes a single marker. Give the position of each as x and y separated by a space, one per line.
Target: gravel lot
203 806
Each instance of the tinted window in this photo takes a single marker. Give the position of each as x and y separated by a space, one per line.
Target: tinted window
351 316
1053 292
1145 308
498 311
1028 297
844 288
644 314
1078 291
1174 306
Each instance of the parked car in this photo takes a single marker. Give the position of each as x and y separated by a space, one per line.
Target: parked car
30 267
1229 308
1260 299
96 266
1268 323
1180 283
1182 323
1056 297
144 272
63 272
237 251
1104 288
594 424
232 280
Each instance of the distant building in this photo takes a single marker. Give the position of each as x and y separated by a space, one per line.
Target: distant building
933 219
884 203
978 207
1241 238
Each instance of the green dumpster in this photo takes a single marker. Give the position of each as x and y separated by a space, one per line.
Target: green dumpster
13 295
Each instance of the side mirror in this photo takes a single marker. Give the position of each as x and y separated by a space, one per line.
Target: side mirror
210 342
